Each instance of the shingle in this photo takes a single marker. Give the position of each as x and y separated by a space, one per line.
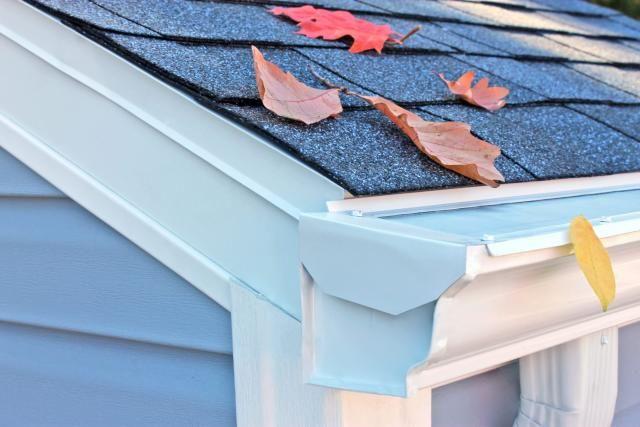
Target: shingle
520 4
624 79
625 119
501 16
579 6
350 5
87 11
222 72
212 21
609 50
594 26
518 43
635 45
626 21
364 152
444 39
555 81
404 78
417 41
464 42
424 8
551 142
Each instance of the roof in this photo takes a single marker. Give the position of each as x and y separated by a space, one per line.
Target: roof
573 69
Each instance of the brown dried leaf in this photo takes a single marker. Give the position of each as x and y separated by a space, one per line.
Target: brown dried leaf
450 144
286 96
489 98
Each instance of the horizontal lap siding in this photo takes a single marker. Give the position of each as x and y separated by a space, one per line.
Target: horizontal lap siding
94 331
491 399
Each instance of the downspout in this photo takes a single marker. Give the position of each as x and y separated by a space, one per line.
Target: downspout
571 385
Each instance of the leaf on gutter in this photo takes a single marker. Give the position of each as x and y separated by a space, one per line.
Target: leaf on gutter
593 260
333 25
286 96
450 144
481 95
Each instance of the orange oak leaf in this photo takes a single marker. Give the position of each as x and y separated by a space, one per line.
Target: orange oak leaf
286 96
489 98
450 144
333 25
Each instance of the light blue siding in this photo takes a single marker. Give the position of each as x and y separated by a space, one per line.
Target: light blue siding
486 400
93 330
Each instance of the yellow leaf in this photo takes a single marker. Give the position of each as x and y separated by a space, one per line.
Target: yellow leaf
594 260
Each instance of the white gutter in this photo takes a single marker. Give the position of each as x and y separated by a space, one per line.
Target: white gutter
523 302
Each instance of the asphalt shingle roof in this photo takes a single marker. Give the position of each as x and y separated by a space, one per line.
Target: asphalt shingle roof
573 69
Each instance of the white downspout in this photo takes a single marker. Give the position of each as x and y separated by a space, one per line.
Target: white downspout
571 385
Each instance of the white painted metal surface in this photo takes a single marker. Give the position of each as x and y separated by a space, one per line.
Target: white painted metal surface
571 385
456 198
533 302
270 390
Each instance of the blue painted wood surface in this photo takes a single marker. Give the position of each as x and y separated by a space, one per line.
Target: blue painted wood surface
93 330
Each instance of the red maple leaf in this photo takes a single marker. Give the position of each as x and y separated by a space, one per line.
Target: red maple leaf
333 25
489 98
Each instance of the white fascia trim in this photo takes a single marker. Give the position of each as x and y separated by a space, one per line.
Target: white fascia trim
456 198
142 230
171 112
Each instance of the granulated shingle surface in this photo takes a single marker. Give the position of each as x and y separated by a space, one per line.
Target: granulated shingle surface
413 79
593 49
224 72
88 11
624 79
365 152
517 43
573 69
551 142
552 80
624 119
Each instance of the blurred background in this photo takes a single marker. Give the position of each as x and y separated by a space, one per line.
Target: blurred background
630 7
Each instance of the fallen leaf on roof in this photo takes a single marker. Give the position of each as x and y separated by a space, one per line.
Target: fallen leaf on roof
450 144
333 25
286 96
593 260
489 98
